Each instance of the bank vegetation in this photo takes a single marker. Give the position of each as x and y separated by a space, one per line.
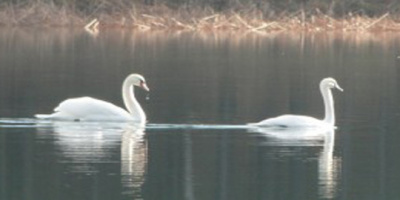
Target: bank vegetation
249 15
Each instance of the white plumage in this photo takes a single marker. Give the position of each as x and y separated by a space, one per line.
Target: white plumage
87 109
91 109
292 121
285 121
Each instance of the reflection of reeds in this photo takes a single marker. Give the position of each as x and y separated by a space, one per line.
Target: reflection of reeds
162 17
50 37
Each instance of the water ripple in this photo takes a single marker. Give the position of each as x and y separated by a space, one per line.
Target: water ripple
35 123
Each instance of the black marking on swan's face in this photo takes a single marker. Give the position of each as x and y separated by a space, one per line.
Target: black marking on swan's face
139 80
142 83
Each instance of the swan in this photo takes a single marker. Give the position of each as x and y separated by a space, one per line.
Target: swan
91 109
288 121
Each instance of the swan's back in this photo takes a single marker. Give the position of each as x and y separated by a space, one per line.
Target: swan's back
287 121
88 109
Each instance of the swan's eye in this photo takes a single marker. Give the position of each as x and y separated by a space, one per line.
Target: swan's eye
142 82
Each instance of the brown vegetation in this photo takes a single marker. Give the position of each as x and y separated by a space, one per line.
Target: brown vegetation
162 17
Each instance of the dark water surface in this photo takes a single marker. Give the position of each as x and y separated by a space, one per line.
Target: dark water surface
204 88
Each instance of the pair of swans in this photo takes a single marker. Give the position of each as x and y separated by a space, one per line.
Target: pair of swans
90 109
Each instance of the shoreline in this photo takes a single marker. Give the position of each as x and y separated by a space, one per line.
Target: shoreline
161 17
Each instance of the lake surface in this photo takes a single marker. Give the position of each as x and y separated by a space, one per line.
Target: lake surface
204 88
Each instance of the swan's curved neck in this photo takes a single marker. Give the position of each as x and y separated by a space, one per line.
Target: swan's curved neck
328 103
131 103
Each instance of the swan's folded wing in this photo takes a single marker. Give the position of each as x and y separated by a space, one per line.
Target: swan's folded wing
87 108
289 121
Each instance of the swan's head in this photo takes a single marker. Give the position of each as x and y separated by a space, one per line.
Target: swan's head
330 83
137 80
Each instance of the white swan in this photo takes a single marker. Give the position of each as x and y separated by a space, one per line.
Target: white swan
90 109
287 121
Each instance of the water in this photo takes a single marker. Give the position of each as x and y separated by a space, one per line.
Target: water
204 88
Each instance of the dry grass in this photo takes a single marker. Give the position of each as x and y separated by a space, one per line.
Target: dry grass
161 17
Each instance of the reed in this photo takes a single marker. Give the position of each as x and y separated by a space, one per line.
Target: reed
101 14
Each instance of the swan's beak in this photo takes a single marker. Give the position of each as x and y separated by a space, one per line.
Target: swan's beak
143 85
339 88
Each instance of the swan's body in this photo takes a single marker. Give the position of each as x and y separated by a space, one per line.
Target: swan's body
284 121
90 109
288 121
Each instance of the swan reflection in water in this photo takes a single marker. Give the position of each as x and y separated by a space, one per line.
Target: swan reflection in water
133 160
328 165
86 146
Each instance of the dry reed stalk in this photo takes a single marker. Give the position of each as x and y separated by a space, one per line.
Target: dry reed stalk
142 27
29 11
219 22
263 26
182 25
92 24
209 17
279 26
148 16
157 24
92 27
243 22
376 21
